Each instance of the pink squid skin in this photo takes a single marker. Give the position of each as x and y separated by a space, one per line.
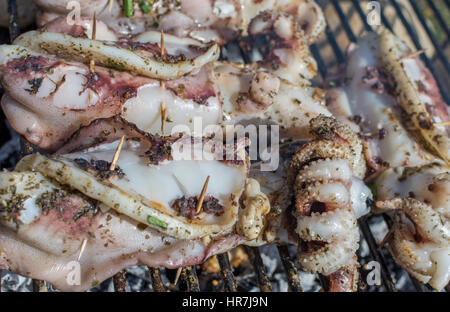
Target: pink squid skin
114 242
43 120
47 122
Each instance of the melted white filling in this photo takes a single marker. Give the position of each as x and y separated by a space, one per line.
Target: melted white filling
145 110
396 147
173 45
171 180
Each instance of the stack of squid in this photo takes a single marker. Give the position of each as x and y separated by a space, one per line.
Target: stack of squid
110 92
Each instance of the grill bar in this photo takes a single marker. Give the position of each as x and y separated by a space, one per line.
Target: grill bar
334 45
157 283
361 15
447 2
439 17
324 282
261 275
376 254
226 271
418 45
120 282
244 48
291 270
342 17
14 31
39 286
320 63
189 277
433 39
385 21
418 285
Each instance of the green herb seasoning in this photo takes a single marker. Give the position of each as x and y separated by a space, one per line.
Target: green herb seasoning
117 66
157 222
128 8
144 5
373 189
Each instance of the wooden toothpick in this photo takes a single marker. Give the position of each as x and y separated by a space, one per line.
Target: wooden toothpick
163 86
163 45
110 6
117 154
412 55
202 196
177 277
94 26
83 246
444 123
92 66
163 107
94 36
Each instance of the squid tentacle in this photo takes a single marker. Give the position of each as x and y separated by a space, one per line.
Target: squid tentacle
322 173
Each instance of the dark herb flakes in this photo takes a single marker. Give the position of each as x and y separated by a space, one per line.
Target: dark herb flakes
99 168
35 84
186 206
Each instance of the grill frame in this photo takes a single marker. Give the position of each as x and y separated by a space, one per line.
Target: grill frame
188 274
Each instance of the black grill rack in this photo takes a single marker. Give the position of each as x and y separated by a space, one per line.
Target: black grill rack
377 253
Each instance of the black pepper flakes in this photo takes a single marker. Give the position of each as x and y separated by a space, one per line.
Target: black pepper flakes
35 84
100 168
186 206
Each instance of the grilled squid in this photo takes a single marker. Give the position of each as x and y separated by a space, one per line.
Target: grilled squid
420 240
418 97
411 181
73 208
47 99
81 28
287 55
157 180
141 58
363 98
329 195
44 226
287 26
203 20
255 206
150 41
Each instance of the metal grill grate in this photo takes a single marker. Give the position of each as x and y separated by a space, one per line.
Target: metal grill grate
188 275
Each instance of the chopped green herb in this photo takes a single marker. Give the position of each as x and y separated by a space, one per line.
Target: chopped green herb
373 189
144 5
115 65
128 8
157 222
